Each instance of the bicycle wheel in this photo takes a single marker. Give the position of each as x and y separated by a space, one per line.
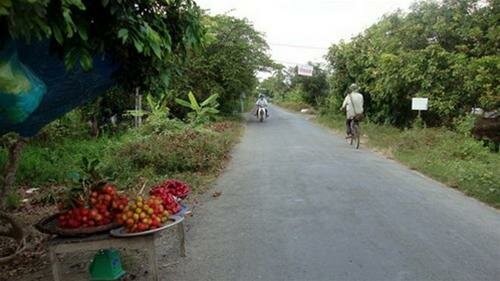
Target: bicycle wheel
356 135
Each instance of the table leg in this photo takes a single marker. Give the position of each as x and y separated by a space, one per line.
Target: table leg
56 270
182 238
152 260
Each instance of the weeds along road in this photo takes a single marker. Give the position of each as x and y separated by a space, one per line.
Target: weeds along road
298 203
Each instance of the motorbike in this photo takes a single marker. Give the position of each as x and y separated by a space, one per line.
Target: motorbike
261 113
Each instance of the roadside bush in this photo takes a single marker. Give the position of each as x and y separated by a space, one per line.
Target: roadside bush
183 151
45 164
173 152
71 125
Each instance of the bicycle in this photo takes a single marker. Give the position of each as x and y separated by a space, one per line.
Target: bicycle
355 134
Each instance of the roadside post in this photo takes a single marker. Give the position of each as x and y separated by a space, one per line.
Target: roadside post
419 104
138 108
242 102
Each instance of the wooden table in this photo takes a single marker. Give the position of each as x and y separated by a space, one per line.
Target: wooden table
62 245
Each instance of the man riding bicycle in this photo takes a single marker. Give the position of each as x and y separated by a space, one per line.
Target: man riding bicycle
353 105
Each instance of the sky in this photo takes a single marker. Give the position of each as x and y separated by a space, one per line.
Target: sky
299 31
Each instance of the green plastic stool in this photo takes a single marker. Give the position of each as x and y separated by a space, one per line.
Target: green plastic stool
106 265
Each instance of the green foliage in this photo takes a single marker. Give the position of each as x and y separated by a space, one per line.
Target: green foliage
234 51
45 163
203 112
287 85
463 125
159 149
70 126
142 35
314 88
13 200
446 51
184 151
275 85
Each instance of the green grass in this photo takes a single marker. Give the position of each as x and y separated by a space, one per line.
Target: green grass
293 105
135 157
458 161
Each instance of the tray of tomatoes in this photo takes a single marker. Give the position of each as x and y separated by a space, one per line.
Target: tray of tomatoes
95 216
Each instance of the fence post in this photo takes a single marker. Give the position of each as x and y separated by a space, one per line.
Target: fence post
138 108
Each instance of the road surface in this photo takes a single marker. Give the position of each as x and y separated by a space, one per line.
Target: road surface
298 203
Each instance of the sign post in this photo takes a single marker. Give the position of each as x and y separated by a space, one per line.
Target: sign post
242 102
419 104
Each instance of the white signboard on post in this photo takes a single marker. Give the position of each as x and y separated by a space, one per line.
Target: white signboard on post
419 103
305 70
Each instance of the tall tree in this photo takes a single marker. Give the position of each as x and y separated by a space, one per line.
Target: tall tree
233 54
447 51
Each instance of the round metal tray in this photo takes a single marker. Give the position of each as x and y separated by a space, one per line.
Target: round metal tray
49 225
121 232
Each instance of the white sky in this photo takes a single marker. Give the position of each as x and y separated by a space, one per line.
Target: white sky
311 23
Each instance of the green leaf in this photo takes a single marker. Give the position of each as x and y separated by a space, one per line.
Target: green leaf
86 60
165 78
6 3
76 3
183 103
105 3
123 34
69 22
3 11
57 34
70 58
151 103
211 110
82 31
135 113
156 50
194 103
138 45
210 100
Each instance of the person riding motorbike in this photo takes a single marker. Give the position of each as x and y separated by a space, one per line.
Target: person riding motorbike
262 102
353 105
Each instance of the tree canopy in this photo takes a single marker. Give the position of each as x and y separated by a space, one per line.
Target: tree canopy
141 35
447 51
234 52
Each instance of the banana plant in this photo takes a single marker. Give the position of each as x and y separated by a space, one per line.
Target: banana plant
157 108
201 112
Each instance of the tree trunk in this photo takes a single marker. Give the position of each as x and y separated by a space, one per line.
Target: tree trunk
10 169
9 227
95 127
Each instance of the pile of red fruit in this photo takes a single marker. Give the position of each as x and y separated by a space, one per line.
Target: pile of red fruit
104 205
143 215
168 191
176 188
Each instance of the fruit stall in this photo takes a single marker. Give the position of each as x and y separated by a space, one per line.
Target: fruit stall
99 218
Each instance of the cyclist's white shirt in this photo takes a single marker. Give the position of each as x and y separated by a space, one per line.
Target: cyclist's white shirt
261 102
357 99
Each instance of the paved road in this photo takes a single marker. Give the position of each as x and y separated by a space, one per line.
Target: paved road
298 203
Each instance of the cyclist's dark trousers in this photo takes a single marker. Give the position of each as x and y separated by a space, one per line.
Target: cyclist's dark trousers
348 126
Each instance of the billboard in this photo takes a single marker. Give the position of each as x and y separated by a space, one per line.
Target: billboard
305 70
